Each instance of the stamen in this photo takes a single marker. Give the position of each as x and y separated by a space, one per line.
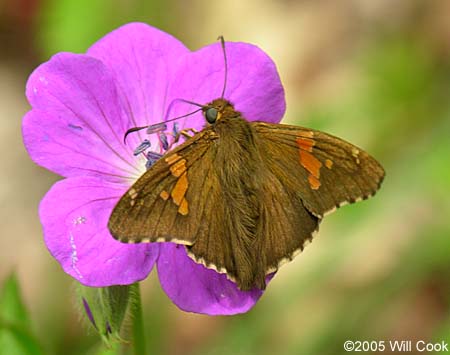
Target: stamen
176 129
152 158
164 141
142 147
154 155
155 128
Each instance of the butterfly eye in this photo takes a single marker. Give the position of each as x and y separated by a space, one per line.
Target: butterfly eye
211 115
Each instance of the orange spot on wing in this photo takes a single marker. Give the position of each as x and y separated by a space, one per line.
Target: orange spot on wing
172 159
179 190
314 183
310 163
164 195
178 168
306 144
183 209
307 134
329 163
133 193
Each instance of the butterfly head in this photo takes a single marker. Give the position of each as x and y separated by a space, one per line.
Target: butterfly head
219 109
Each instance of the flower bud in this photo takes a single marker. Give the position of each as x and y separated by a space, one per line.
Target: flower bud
105 308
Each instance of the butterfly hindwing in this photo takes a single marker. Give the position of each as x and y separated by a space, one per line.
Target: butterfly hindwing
252 222
285 225
326 171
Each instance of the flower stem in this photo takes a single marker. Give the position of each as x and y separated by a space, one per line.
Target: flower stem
137 321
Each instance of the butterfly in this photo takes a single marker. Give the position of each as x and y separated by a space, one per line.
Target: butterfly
244 197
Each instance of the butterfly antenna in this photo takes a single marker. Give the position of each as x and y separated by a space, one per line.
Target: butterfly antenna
222 43
131 130
136 129
160 126
180 100
188 114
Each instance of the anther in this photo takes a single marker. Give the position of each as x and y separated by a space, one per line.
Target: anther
155 128
142 147
176 129
152 158
163 140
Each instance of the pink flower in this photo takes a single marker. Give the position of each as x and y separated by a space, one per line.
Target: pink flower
82 104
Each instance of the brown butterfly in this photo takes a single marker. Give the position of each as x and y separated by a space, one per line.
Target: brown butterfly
244 197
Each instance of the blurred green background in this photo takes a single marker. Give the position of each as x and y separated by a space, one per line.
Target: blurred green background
375 72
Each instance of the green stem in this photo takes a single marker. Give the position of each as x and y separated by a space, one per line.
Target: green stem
137 321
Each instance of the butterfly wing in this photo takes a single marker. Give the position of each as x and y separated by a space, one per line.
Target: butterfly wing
285 226
326 172
182 199
293 178
162 204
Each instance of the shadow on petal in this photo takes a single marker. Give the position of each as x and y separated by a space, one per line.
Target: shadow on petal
194 288
74 215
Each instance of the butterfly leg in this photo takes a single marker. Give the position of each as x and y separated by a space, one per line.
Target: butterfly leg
186 133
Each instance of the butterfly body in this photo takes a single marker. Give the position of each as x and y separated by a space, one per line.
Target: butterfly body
244 197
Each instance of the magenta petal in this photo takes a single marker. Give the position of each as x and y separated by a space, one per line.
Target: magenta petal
253 83
194 288
76 126
142 59
74 215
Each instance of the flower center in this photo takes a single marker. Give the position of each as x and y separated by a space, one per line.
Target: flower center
164 143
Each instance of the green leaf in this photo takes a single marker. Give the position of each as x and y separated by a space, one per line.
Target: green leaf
101 349
74 25
12 308
15 325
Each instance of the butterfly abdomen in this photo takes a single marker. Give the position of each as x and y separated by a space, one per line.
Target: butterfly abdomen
236 168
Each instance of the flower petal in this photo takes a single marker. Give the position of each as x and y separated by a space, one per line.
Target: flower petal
77 123
194 288
142 59
74 215
253 85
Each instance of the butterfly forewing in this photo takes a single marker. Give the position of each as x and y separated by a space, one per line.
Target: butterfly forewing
325 171
161 205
